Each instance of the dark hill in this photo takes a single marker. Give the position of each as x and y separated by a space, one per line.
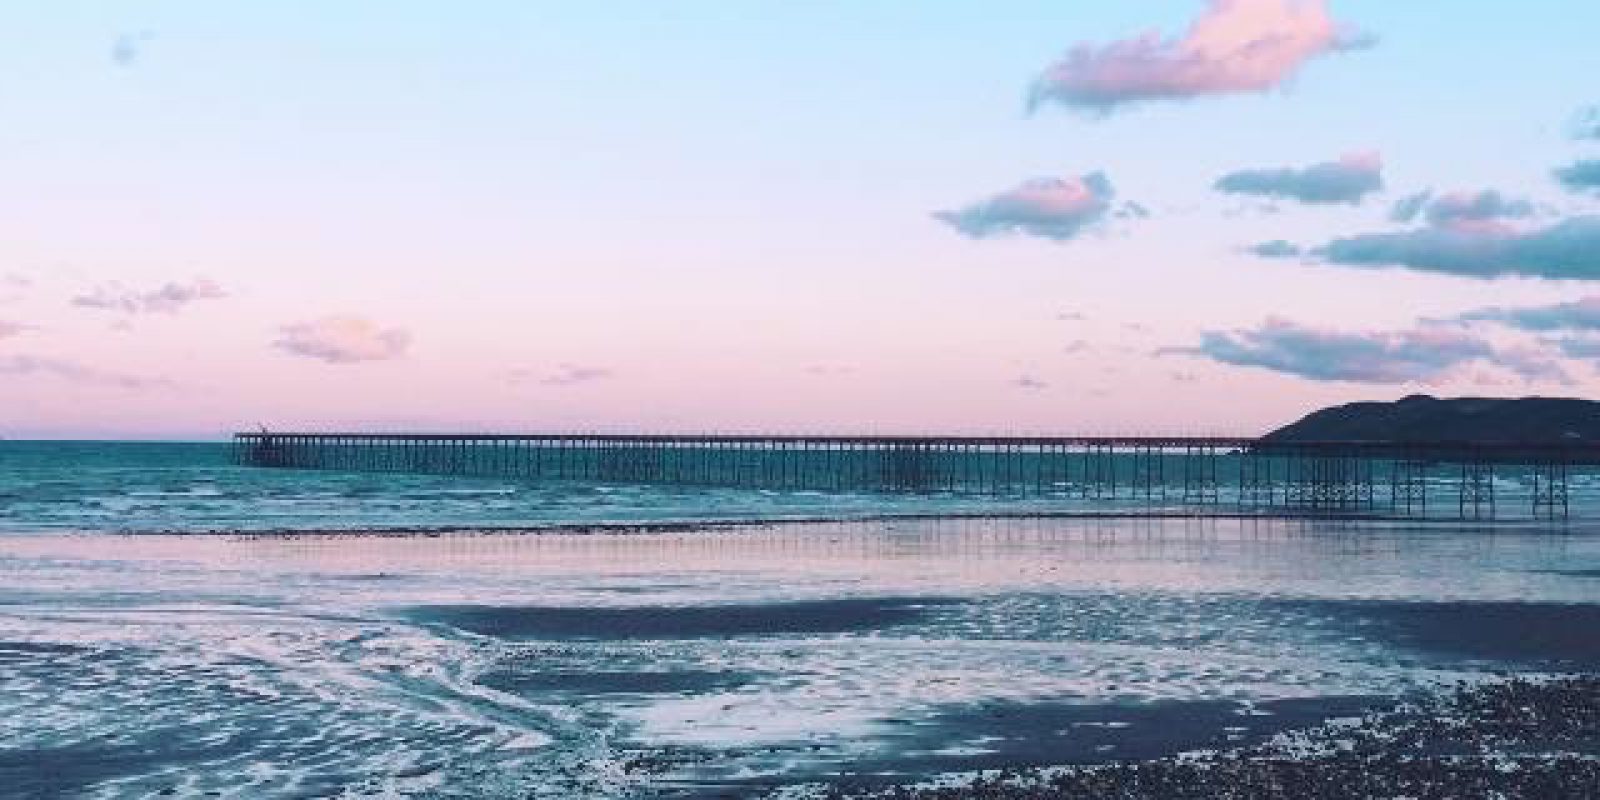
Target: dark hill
1420 418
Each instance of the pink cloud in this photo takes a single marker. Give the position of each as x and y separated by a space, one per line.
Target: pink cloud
168 299
566 374
1416 355
73 372
343 340
8 329
1054 208
1235 46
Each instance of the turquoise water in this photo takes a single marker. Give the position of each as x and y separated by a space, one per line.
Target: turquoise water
190 487
691 663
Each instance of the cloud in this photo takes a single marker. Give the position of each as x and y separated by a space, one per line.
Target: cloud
565 375
829 369
77 373
1586 124
1076 346
1581 176
343 340
1052 208
168 299
1277 248
1460 209
9 329
1582 314
1568 250
125 51
1235 46
1579 346
1409 207
1030 383
1347 180
1419 355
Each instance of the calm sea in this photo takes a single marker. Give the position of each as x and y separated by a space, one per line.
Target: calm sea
695 663
168 487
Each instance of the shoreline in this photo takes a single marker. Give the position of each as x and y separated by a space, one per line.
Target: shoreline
623 527
1518 736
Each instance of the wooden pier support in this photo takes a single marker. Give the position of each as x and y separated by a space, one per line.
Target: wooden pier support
1204 475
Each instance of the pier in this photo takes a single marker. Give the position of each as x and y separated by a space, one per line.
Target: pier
1448 480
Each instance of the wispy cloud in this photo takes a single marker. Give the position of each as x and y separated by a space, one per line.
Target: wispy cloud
127 49
1586 347
1345 181
1417 355
1235 46
1052 208
9 329
1579 315
1277 248
1460 209
343 340
1586 123
570 375
1581 176
829 369
170 298
1030 383
73 372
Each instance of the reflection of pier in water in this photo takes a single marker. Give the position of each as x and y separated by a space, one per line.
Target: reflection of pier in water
1124 475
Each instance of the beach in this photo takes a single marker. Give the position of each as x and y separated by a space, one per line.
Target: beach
743 660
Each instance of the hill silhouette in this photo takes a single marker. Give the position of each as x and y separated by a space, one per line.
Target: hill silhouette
1422 418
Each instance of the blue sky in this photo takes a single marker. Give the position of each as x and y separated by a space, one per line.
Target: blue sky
721 216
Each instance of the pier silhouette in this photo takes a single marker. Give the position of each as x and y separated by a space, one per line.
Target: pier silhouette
1121 475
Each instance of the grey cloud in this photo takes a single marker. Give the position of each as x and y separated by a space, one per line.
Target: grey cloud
1051 208
1347 181
1567 250
168 299
1580 176
1488 205
78 373
1407 208
1277 248
1419 355
1582 314
1579 346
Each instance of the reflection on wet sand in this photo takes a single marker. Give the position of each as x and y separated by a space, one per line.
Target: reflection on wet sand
572 664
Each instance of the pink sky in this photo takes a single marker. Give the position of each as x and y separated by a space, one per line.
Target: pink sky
805 219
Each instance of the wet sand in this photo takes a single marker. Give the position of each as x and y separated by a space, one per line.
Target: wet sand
744 661
1511 739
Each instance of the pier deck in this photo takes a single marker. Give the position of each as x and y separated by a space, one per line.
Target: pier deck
1422 480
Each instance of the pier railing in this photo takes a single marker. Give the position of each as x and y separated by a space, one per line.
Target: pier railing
1460 480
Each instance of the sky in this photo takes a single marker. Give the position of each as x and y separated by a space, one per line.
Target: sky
1171 216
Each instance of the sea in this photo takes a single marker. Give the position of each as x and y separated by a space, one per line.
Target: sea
174 625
